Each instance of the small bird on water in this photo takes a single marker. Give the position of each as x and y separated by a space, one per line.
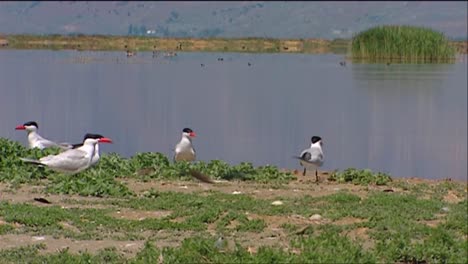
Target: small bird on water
312 158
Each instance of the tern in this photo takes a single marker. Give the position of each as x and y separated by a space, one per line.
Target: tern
312 158
96 155
36 141
75 160
184 149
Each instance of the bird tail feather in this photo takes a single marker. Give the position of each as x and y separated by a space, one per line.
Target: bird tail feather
32 161
200 176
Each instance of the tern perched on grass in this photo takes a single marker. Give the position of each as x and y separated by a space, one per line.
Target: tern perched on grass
96 155
312 158
184 151
36 141
72 161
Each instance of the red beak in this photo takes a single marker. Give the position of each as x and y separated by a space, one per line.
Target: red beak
192 134
20 127
105 140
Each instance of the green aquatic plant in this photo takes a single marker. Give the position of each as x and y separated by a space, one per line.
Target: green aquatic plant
402 43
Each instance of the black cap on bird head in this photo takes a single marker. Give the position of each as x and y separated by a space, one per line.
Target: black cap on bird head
315 139
189 131
31 123
94 136
101 138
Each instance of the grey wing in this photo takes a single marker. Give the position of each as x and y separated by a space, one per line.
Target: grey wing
65 145
313 156
316 157
306 155
47 143
69 160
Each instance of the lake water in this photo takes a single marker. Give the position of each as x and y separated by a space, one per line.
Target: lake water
406 120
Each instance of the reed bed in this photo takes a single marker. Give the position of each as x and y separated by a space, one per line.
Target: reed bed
402 43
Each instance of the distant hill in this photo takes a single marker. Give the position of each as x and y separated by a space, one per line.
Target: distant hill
228 19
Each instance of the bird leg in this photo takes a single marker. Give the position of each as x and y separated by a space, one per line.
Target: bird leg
304 173
316 177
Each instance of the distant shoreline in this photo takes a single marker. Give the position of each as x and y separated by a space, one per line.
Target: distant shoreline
157 44
136 44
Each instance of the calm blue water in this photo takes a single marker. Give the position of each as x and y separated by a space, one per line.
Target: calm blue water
406 120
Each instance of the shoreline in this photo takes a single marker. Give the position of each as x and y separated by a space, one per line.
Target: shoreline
158 44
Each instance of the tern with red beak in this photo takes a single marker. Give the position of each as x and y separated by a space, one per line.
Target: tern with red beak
73 160
184 150
96 155
36 141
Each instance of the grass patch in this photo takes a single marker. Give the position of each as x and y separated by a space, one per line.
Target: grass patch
402 43
361 177
13 170
417 225
395 224
103 180
90 183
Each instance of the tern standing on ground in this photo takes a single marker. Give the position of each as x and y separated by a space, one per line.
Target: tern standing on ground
184 149
96 155
312 158
72 161
36 141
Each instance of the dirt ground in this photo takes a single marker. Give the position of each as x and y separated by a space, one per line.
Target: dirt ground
272 234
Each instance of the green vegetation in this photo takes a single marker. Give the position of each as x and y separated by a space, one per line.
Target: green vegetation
363 177
105 179
395 224
402 43
358 223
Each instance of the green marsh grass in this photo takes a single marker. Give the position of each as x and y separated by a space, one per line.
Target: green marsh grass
402 43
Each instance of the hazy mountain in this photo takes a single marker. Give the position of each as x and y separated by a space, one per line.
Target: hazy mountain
228 19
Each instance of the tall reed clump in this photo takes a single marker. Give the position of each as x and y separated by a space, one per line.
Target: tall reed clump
402 43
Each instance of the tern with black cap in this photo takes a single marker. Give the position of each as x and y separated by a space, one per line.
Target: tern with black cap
312 158
184 150
74 160
96 155
36 141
